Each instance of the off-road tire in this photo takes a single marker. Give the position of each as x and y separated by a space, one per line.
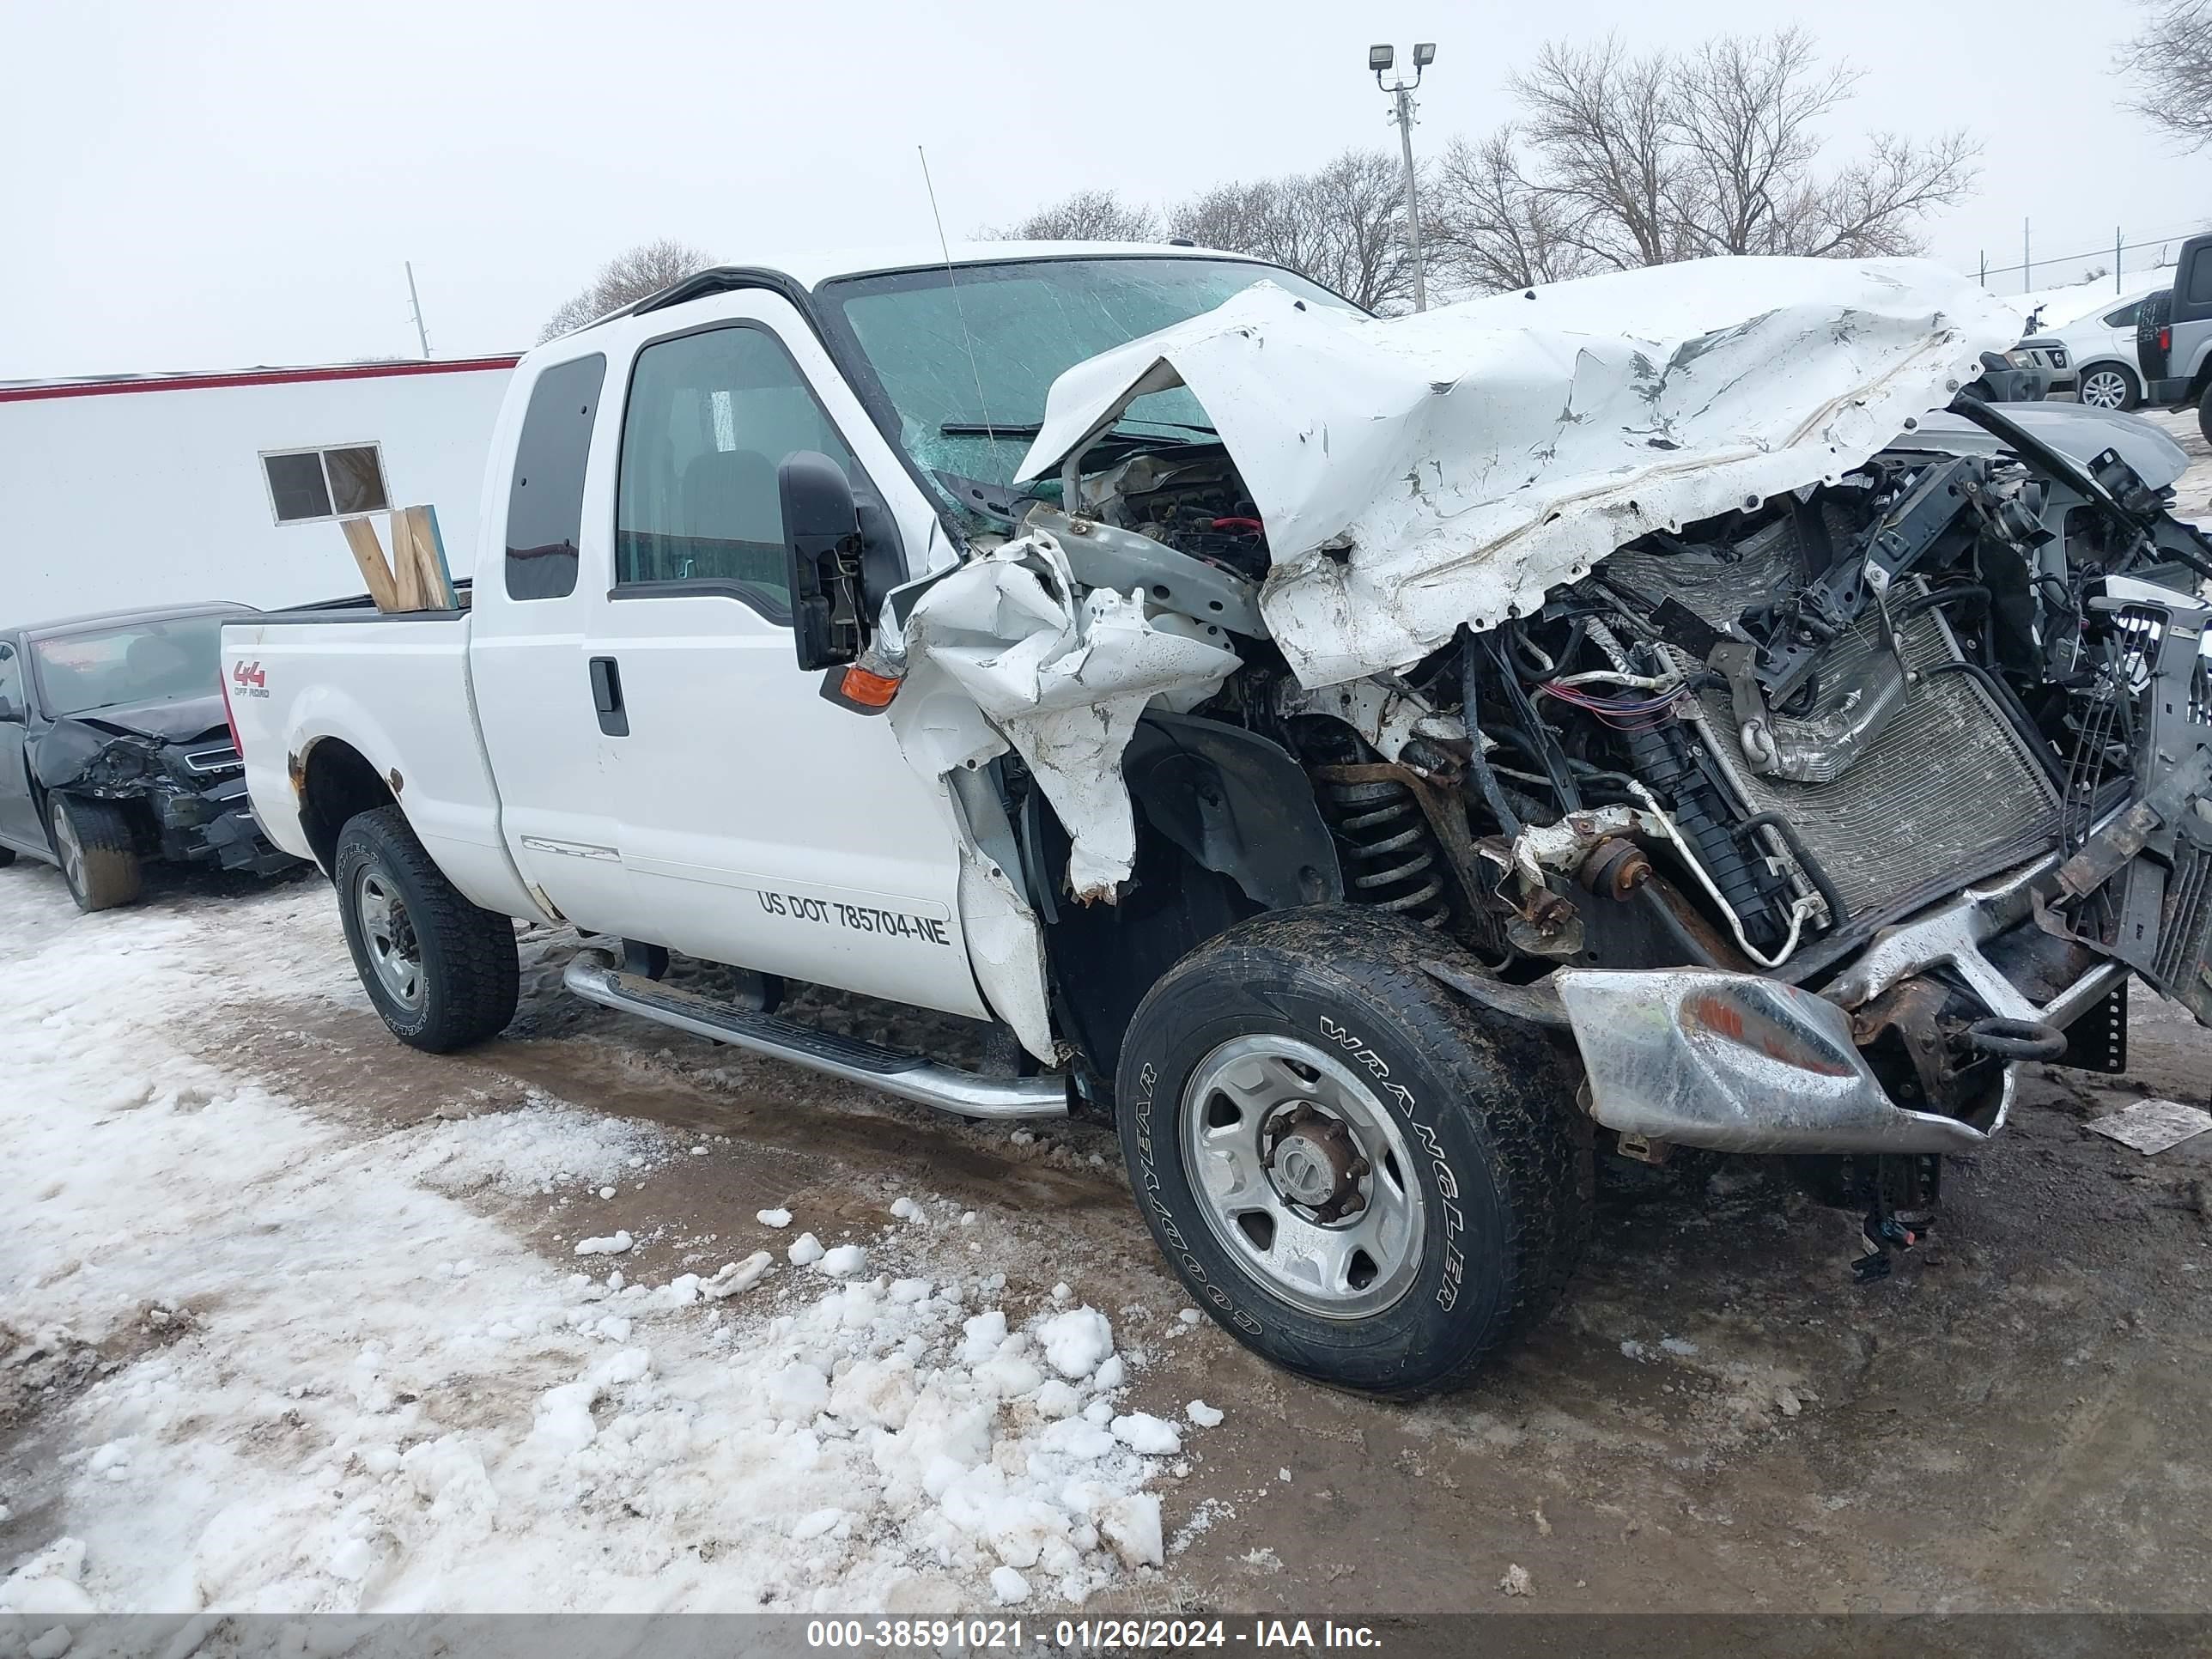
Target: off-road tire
105 870
7 857
1503 1157
471 978
2130 386
2205 413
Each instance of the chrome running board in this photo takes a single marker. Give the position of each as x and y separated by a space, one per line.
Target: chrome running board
594 976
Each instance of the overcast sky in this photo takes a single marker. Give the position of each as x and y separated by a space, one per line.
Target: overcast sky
218 184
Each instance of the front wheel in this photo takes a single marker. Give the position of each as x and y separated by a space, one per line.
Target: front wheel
2204 414
443 973
2108 385
98 853
1357 1176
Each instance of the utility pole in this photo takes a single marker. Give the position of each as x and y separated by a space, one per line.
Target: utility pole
2026 263
420 333
2119 248
1380 58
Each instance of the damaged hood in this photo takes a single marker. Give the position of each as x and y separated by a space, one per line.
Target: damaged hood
1418 472
173 720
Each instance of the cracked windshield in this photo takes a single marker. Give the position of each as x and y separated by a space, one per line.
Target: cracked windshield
966 365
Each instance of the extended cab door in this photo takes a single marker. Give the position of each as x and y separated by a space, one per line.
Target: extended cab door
529 661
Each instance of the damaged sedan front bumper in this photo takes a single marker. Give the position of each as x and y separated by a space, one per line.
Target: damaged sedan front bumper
187 799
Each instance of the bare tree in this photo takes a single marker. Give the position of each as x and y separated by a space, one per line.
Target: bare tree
1088 216
1355 209
1258 218
1488 227
2170 66
1622 160
1342 224
1600 124
625 279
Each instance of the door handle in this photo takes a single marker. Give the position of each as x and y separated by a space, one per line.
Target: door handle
607 697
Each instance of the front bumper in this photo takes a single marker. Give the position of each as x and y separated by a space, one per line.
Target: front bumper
214 824
1738 1063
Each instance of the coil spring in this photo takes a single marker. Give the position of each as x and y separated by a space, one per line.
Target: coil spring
1390 853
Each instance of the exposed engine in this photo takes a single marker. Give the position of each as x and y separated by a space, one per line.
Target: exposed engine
1752 744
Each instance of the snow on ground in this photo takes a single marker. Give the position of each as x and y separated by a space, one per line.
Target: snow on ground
349 1384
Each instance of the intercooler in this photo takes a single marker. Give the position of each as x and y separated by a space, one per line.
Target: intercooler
1949 792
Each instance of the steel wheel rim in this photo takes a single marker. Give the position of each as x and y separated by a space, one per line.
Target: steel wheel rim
2104 390
387 933
1261 1140
72 849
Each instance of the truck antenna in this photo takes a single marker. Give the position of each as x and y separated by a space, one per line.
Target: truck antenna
959 310
415 300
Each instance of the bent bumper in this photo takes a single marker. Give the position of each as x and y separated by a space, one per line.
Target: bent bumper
1740 1064
215 824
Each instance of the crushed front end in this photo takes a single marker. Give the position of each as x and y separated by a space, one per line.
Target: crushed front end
1806 755
185 795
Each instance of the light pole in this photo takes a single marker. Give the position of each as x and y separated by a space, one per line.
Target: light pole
1380 58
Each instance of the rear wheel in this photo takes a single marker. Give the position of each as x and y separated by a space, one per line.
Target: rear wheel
443 973
2108 385
99 856
2204 414
1357 1175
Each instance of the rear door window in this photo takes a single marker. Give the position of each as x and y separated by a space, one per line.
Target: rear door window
545 503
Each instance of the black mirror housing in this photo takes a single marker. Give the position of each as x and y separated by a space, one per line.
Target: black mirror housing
822 547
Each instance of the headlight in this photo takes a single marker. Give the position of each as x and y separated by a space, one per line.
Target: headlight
121 762
2020 359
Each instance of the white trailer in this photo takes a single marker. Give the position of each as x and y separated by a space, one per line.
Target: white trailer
142 490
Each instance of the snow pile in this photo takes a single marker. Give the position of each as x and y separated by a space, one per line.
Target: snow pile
542 1147
372 1397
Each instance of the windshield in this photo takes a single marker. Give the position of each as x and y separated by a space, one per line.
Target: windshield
163 661
964 357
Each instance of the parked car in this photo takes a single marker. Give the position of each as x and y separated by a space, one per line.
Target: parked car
2173 336
1383 764
2040 367
2100 350
114 751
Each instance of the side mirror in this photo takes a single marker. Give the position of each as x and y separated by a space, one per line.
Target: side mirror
821 559
842 557
9 715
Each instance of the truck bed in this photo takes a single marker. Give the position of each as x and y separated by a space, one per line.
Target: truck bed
306 686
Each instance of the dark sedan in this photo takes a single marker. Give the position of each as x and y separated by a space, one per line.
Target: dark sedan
115 749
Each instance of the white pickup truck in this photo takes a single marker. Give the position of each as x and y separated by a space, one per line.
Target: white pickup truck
1384 763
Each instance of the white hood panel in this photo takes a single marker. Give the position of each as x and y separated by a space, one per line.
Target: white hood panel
1418 472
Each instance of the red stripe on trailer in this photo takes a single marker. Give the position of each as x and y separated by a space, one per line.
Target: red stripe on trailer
254 376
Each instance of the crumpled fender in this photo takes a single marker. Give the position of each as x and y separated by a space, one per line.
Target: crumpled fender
1062 681
60 754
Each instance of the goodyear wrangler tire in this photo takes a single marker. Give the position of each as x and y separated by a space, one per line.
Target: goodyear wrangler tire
1357 1175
